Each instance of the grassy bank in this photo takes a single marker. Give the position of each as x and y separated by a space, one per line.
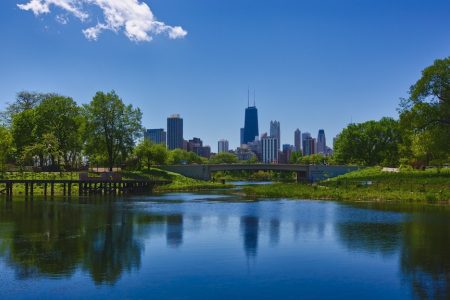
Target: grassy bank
178 182
371 184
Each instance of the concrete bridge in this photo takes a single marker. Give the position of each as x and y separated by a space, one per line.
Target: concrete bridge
309 173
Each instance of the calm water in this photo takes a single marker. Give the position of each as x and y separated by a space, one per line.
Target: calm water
197 246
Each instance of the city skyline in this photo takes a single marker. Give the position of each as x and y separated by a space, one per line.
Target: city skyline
313 64
158 135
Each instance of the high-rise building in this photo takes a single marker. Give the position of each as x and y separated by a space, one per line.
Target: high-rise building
251 130
222 146
309 146
305 144
175 132
242 137
196 145
256 148
285 155
321 142
195 142
156 136
269 149
297 140
275 131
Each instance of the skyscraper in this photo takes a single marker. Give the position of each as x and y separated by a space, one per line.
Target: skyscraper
251 130
297 140
157 136
174 132
321 142
222 146
305 144
275 131
269 149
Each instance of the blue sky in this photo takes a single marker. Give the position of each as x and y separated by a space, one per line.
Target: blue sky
314 64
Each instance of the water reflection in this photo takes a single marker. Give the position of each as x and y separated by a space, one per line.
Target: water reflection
421 240
106 241
174 231
250 230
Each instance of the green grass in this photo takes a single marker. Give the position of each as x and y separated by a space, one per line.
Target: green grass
369 184
178 182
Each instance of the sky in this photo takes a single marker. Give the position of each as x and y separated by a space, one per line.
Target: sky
311 64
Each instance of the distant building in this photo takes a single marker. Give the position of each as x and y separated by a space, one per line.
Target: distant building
251 130
244 153
156 136
175 132
203 151
256 148
312 146
196 145
305 144
275 131
309 146
242 137
222 146
321 142
285 155
270 146
298 140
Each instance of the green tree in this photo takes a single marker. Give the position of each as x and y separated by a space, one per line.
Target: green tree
369 143
25 100
179 156
425 116
6 146
47 149
61 117
22 130
223 158
111 127
149 153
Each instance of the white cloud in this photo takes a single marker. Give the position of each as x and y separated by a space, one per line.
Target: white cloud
133 17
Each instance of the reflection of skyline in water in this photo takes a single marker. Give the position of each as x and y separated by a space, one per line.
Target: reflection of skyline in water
106 241
421 241
250 231
174 230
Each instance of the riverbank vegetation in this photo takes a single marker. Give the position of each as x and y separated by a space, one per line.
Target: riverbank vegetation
176 182
371 184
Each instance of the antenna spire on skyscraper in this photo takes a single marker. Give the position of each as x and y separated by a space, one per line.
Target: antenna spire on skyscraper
254 97
248 97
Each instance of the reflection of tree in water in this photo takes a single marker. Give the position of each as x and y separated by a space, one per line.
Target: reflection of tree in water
423 243
274 232
383 238
174 230
249 229
425 260
45 239
111 248
54 239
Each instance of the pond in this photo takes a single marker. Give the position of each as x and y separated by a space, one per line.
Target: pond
219 246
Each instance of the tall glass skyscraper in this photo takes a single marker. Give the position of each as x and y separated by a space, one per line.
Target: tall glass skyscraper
321 142
251 130
275 131
174 132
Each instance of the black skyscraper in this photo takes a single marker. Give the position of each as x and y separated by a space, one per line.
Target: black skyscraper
251 124
174 132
